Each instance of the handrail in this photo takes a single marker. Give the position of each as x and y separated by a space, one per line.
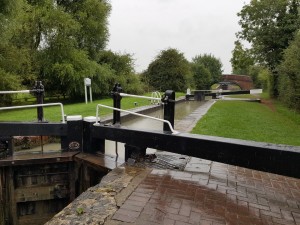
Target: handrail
133 113
139 96
38 105
15 92
158 95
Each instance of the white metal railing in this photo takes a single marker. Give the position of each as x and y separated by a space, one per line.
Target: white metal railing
15 92
38 105
133 113
256 91
155 94
139 96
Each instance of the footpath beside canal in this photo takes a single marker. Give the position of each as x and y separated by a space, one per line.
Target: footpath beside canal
195 192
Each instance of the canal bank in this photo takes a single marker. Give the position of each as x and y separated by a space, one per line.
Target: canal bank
202 192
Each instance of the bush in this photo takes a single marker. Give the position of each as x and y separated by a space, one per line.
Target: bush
289 75
8 82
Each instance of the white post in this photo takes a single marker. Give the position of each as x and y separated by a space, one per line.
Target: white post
91 97
85 94
188 91
87 83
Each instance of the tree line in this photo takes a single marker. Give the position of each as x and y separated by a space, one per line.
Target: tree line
171 70
63 41
271 29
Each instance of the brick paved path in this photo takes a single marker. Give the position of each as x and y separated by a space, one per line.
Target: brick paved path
216 194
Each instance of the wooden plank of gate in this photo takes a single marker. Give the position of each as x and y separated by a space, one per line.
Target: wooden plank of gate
101 162
29 159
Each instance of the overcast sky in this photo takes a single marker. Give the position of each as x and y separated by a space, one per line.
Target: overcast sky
145 27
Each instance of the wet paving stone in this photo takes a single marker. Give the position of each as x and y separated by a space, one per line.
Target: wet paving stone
222 194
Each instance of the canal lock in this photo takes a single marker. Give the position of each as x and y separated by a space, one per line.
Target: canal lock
36 186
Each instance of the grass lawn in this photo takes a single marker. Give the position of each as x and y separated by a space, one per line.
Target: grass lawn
251 121
53 113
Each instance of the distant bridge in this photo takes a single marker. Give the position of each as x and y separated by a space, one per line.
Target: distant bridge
243 81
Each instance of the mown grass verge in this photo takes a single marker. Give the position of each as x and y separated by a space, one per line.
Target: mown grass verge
251 121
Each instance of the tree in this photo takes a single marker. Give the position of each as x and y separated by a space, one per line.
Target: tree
289 75
202 76
168 71
13 60
58 42
212 64
8 82
241 60
264 78
122 64
122 68
92 16
269 26
260 76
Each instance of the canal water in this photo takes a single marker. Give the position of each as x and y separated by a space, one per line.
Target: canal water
182 109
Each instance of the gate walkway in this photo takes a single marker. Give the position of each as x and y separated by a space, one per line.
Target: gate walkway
220 194
205 192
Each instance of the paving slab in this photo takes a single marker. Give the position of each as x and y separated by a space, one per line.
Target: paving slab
223 195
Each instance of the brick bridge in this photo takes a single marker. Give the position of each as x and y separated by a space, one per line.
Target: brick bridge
243 81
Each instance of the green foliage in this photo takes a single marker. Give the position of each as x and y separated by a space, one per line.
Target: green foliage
121 65
57 42
92 16
264 79
241 59
269 26
168 71
133 84
202 77
70 72
14 60
212 64
80 211
289 75
260 76
144 79
8 82
249 121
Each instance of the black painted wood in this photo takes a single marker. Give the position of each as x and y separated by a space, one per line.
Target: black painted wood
279 159
32 129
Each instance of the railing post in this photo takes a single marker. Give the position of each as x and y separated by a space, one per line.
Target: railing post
38 90
169 108
199 95
116 103
73 140
6 147
91 144
135 152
